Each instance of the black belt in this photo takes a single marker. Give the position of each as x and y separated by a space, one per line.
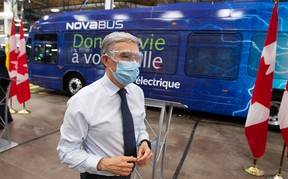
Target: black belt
95 176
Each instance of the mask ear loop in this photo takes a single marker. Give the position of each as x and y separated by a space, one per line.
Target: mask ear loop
111 70
112 60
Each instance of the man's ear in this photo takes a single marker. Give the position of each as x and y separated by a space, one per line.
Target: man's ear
105 60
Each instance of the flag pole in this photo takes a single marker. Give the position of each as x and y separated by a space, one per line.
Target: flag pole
253 169
278 174
24 110
257 124
11 109
23 90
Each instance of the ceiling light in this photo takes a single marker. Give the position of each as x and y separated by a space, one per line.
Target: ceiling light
55 10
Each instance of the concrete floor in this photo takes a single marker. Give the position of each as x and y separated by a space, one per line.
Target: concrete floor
219 148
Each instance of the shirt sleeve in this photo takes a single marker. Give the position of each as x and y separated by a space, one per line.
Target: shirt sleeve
143 134
72 134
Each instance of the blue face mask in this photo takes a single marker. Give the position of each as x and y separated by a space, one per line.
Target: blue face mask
126 72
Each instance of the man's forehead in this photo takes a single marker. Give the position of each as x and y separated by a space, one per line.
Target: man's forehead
126 46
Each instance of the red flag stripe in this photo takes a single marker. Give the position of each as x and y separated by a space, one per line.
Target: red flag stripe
258 143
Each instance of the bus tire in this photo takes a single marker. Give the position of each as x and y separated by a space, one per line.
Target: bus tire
74 83
273 123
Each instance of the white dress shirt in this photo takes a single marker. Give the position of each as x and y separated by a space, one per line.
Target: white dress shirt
92 126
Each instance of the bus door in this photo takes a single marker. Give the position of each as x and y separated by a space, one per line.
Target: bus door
44 66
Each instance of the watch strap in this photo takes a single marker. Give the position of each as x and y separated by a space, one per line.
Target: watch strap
146 140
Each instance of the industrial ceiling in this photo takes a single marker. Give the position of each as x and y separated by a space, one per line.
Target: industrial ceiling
32 10
35 9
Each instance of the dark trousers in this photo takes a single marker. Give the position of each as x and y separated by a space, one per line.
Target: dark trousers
94 176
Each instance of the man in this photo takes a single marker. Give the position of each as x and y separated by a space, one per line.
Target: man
92 139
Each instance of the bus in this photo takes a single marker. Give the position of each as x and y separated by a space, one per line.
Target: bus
204 55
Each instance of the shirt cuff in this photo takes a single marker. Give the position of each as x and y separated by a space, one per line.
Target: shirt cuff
142 137
92 163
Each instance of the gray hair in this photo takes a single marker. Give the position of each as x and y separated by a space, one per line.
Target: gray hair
110 40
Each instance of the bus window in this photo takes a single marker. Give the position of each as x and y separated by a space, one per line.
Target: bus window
45 53
28 49
45 48
281 65
213 56
255 54
160 52
51 53
39 50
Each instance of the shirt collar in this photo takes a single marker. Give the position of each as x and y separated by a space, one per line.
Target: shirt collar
110 87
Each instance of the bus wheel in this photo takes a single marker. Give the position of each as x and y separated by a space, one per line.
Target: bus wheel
273 123
74 83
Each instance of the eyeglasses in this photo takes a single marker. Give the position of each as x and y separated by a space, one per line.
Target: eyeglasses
126 55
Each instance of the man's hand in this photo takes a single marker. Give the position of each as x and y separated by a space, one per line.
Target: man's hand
144 155
120 165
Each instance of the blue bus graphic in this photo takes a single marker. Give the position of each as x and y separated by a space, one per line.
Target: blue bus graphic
204 55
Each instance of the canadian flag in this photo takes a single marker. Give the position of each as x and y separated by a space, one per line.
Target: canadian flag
257 119
283 115
23 90
13 60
